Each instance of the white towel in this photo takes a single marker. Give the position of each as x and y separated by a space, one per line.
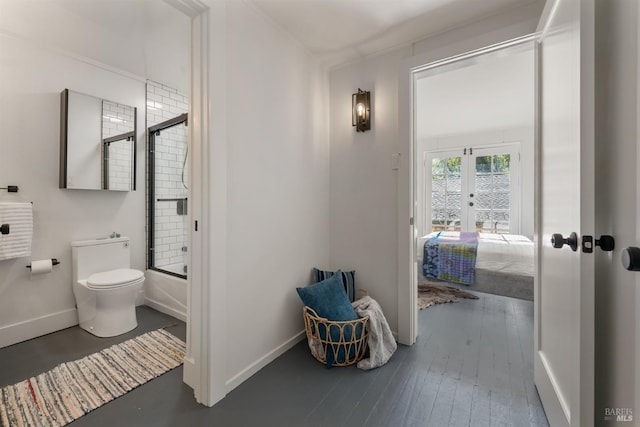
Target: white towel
17 243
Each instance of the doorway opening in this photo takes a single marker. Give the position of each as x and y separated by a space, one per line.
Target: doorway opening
470 187
474 172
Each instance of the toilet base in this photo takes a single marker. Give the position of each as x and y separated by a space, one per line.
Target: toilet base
107 313
110 324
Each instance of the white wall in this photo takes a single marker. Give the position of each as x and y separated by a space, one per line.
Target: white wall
363 184
364 189
31 79
278 186
616 190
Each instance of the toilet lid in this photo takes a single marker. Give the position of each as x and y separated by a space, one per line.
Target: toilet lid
114 278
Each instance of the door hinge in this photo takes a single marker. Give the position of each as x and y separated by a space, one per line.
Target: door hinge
410 221
196 223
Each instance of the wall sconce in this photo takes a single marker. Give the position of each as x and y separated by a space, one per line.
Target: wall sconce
361 110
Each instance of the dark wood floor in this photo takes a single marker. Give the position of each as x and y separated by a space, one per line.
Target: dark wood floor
471 366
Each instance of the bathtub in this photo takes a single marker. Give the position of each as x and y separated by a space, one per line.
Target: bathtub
166 293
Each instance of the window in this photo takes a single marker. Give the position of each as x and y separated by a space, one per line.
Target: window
473 189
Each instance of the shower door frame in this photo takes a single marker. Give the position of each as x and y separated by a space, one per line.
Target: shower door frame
151 136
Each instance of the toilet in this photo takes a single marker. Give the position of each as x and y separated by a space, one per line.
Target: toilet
104 285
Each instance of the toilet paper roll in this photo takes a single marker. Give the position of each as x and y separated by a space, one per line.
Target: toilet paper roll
41 266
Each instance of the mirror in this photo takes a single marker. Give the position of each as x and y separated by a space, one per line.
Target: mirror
97 143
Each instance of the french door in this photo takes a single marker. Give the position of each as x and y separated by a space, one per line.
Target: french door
473 189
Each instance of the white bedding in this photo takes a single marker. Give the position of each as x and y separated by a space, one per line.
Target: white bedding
504 253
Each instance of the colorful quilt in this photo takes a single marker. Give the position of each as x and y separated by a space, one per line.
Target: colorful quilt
452 260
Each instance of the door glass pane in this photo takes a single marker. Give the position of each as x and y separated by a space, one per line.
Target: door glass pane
492 193
169 205
446 193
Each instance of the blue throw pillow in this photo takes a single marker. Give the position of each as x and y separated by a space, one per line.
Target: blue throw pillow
348 280
328 299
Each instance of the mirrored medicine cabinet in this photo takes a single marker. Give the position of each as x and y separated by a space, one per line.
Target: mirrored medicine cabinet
97 143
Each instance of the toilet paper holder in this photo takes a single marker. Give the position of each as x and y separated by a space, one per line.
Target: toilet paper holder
54 261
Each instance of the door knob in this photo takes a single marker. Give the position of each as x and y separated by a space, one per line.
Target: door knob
558 241
631 258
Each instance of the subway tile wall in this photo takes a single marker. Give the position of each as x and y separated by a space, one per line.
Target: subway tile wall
118 119
170 176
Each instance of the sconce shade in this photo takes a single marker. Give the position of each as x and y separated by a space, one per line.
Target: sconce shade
361 110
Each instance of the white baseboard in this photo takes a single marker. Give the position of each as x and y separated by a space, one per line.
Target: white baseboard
32 328
162 308
245 374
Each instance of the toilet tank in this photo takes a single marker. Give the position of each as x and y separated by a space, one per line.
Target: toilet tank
94 256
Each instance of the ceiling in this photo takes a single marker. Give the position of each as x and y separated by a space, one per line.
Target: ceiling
336 31
344 30
491 93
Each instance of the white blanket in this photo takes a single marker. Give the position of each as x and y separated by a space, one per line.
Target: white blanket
505 253
381 342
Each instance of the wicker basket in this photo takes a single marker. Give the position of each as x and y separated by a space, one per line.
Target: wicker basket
351 346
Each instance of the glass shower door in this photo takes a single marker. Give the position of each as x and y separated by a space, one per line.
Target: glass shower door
168 197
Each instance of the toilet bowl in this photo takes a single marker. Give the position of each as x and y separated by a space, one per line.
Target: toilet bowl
105 287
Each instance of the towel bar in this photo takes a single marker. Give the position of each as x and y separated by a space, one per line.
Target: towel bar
10 188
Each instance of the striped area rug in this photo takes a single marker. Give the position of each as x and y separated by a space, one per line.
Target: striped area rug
70 390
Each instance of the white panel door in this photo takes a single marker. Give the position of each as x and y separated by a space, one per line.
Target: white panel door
564 299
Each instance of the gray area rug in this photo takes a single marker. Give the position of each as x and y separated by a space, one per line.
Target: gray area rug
491 282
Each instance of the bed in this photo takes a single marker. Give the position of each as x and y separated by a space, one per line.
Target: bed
502 263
